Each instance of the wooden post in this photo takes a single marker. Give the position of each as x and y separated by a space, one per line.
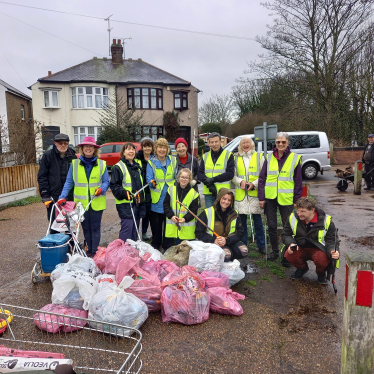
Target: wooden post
358 317
358 178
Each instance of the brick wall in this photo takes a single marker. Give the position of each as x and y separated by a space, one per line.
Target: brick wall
347 155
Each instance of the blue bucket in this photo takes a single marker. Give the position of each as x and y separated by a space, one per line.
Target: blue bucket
53 251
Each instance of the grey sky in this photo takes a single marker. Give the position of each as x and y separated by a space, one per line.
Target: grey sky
211 63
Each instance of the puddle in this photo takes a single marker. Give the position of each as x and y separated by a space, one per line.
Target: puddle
336 201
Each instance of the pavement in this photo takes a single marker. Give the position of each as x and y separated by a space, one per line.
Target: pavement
287 326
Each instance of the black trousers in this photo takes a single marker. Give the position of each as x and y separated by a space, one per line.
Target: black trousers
271 206
369 177
158 225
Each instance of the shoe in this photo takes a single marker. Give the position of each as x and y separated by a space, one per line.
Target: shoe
273 256
322 280
145 237
299 273
285 263
367 188
262 250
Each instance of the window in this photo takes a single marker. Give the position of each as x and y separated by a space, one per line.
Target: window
106 149
144 98
22 112
304 141
81 132
89 97
180 100
154 132
50 99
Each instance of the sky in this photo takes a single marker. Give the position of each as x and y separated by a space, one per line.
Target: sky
28 50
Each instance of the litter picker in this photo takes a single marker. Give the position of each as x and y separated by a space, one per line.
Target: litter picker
152 182
335 264
195 216
193 150
130 197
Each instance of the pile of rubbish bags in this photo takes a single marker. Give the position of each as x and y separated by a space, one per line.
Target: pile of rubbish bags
124 282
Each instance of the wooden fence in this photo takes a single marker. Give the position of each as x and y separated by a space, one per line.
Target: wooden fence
14 178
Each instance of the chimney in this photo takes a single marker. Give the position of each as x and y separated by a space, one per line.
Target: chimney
117 52
49 73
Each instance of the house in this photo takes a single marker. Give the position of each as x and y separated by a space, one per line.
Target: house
69 101
15 114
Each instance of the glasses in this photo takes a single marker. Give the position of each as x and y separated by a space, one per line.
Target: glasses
280 142
63 143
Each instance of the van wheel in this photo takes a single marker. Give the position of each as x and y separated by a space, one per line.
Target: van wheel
310 171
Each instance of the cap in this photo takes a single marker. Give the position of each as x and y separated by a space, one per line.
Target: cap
89 140
61 137
371 136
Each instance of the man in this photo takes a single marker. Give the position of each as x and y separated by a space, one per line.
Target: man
368 159
216 169
316 239
54 167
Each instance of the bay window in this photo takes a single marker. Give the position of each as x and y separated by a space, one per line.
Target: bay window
89 97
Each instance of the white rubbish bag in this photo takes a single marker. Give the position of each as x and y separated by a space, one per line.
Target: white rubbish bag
143 248
105 280
233 271
205 256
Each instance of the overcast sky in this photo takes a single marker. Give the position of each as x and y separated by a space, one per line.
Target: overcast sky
210 63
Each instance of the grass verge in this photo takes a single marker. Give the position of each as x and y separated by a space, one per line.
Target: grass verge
27 201
275 268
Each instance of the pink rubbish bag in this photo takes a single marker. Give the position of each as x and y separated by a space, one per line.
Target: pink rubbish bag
162 268
224 301
180 304
99 258
52 323
4 351
129 266
215 279
181 275
115 252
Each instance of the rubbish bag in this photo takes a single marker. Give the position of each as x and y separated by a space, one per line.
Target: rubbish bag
57 272
144 248
180 304
178 254
99 258
115 252
186 274
69 280
232 269
52 323
162 268
128 266
105 280
114 305
206 256
224 301
82 263
215 279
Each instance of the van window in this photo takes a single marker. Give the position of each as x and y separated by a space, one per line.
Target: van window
304 141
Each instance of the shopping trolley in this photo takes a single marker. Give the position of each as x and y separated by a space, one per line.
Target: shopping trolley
92 350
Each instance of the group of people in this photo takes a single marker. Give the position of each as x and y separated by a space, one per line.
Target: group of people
162 190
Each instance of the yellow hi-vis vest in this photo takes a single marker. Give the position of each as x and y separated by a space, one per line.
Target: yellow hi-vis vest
187 231
84 189
280 183
161 178
210 213
126 180
249 175
212 170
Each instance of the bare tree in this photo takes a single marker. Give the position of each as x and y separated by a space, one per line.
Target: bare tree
217 109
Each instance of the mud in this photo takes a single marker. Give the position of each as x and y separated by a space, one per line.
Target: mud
364 241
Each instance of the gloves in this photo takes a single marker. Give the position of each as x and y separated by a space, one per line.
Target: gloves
47 201
153 183
98 192
61 202
209 182
213 190
193 183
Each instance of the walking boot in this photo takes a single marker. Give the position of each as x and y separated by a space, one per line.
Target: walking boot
285 263
262 250
274 255
322 280
299 273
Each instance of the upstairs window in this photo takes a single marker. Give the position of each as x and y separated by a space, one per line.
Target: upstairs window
181 100
50 99
22 112
89 97
144 98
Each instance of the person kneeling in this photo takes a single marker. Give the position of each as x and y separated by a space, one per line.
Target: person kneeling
224 220
310 235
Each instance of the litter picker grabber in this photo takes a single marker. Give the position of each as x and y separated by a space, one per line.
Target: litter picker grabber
335 264
193 150
152 182
195 216
130 197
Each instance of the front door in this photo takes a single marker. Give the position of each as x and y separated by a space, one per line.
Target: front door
185 133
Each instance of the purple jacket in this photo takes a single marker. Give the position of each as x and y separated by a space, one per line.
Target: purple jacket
297 177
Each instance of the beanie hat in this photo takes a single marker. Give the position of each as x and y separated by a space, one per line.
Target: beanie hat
180 140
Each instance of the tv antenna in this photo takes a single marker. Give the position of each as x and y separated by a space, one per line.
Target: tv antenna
123 43
109 29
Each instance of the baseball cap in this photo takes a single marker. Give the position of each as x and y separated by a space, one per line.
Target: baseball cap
61 137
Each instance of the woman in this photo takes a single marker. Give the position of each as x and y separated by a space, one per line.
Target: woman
177 215
144 155
162 169
225 221
248 165
126 179
90 179
185 160
279 186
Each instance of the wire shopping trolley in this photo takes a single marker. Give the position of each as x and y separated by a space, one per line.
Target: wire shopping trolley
93 350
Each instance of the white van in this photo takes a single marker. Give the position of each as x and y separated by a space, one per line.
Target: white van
313 146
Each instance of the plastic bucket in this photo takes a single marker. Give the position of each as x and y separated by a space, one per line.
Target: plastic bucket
53 251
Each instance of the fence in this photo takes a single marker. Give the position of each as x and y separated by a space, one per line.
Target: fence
20 177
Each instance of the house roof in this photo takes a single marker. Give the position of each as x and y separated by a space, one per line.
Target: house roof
14 90
102 70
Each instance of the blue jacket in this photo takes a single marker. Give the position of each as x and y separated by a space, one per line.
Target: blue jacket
159 207
69 184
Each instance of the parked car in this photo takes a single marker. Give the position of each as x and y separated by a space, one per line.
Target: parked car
313 146
172 149
109 152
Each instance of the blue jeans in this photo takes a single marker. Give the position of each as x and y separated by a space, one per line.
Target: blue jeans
92 229
209 200
258 226
128 229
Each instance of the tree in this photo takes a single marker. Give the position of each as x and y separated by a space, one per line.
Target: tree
211 127
171 124
217 109
118 122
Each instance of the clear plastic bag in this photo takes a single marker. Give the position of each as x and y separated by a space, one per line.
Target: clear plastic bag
206 256
82 263
233 271
162 268
57 272
215 279
224 301
144 248
178 254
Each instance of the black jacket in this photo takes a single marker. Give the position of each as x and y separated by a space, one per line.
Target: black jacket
372 154
124 210
53 170
190 159
224 177
140 156
181 194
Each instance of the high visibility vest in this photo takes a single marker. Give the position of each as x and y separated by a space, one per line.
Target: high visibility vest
84 189
187 231
280 183
212 170
210 213
161 178
126 179
249 175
